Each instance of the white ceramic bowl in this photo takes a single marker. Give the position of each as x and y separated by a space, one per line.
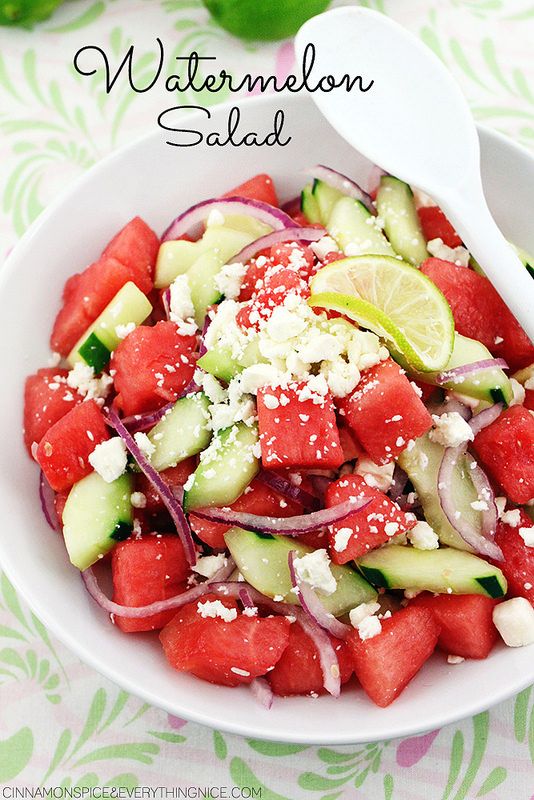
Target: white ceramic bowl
157 181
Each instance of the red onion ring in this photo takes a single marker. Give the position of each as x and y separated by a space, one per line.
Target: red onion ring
312 605
47 497
246 599
283 486
143 422
449 406
485 418
342 183
295 234
262 692
486 493
197 214
327 655
456 374
400 479
171 503
290 526
202 350
166 302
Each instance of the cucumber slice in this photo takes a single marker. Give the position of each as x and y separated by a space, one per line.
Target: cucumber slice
174 258
309 205
352 226
247 224
395 204
96 516
395 567
262 560
183 432
218 360
491 385
326 197
421 464
129 305
226 468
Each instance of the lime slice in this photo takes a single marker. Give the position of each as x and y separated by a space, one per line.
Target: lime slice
395 301
263 19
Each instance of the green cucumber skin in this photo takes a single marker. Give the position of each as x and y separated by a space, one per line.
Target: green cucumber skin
250 550
309 205
395 205
95 353
182 433
326 197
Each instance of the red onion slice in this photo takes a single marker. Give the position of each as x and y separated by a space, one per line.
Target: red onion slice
262 692
245 597
449 406
171 503
457 374
47 497
342 183
295 234
166 302
143 422
283 486
312 605
485 418
400 479
290 526
327 655
192 218
485 492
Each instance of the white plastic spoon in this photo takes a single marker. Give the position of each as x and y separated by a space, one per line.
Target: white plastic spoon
415 123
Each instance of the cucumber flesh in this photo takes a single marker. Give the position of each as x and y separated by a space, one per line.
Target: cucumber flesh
442 570
218 360
353 227
129 305
326 197
96 516
226 468
422 464
247 224
183 432
395 205
309 205
262 560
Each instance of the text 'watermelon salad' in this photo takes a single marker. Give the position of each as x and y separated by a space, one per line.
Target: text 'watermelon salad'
300 438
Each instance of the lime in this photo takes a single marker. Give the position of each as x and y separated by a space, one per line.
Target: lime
26 12
263 19
395 301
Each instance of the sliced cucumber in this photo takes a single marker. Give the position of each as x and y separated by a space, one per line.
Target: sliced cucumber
96 516
442 571
309 205
218 360
262 560
422 464
100 339
247 224
226 468
326 197
182 433
352 226
491 385
395 204
174 258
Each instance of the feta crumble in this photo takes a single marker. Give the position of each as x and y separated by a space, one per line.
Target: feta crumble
358 614
369 627
323 247
228 281
144 444
208 566
527 534
109 459
138 499
458 255
82 378
341 539
314 569
423 537
512 517
375 475
123 331
182 310
214 608
518 393
514 619
455 659
450 430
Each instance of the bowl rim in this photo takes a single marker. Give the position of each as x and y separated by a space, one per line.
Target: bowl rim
82 649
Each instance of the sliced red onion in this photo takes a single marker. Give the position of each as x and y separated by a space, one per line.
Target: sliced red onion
290 526
143 422
202 345
171 503
262 692
166 302
312 605
245 597
283 486
234 589
47 497
457 374
451 405
485 418
193 218
400 479
473 537
294 234
320 485
327 655
343 184
485 493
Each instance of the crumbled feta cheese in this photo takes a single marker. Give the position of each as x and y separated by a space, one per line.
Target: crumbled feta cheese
529 384
458 255
239 671
208 566
284 324
54 360
369 628
479 505
123 331
527 534
423 537
375 475
323 247
144 444
314 569
518 393
213 389
358 614
215 217
500 504
189 482
450 430
514 619
341 539
82 378
258 376
250 611
512 517
109 459
215 608
138 500
228 281
182 310
455 659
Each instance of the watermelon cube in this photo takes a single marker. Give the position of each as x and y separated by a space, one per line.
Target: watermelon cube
136 246
506 451
144 571
175 477
47 398
63 452
367 529
385 412
260 187
435 225
518 564
386 663
278 282
297 430
465 621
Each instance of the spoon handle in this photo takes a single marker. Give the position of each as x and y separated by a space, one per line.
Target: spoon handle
472 219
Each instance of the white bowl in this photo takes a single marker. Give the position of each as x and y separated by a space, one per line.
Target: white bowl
156 181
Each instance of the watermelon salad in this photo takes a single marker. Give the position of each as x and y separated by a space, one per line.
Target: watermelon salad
299 438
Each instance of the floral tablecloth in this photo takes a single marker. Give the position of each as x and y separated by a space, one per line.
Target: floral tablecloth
63 725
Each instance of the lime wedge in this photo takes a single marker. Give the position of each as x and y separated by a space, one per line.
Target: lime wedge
395 301
263 19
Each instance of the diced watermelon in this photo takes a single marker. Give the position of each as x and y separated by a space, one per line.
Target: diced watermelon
65 448
254 276
426 389
386 663
506 451
175 477
299 670
349 444
297 257
435 225
465 621
226 653
136 246
277 284
260 187
297 432
385 412
258 498
153 365
47 398
518 564
529 399
144 571
480 313
371 527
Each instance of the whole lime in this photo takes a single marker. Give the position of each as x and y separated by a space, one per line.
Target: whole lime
26 12
263 19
